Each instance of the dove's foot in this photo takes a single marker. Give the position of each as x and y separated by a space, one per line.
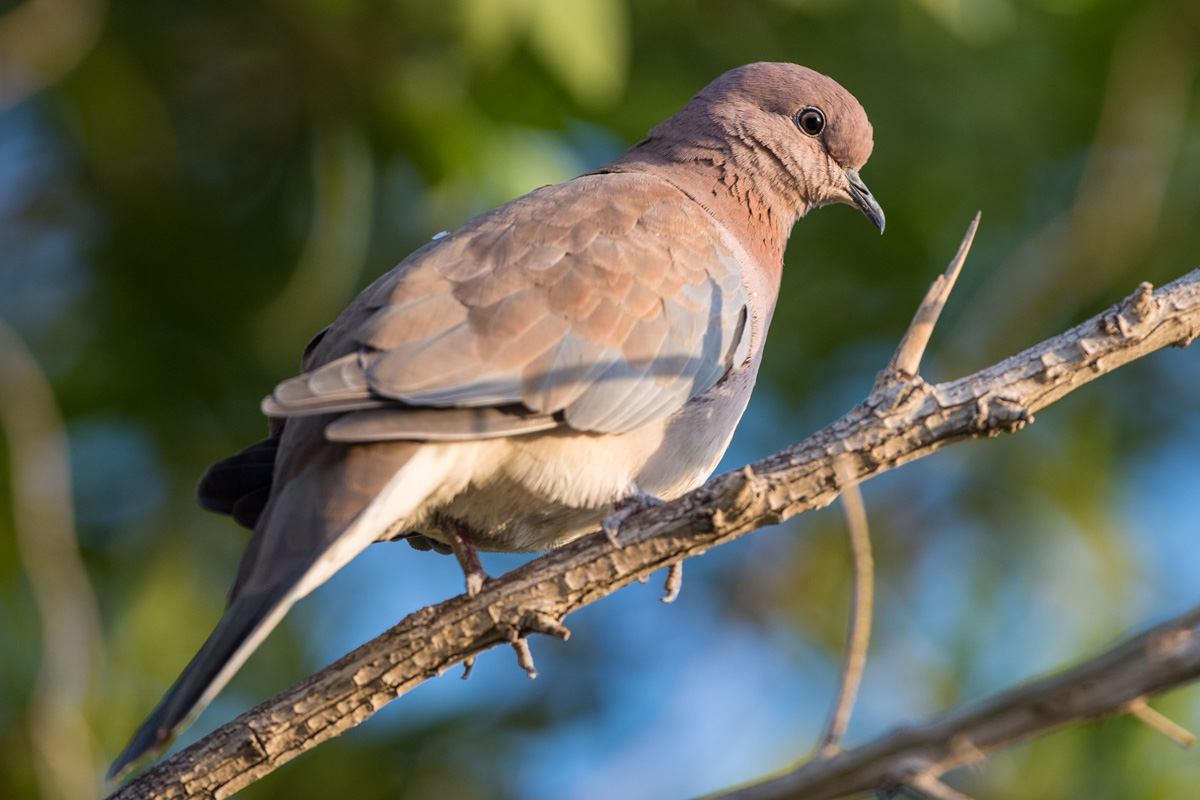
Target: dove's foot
463 544
638 500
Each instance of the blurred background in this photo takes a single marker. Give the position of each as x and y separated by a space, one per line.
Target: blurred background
188 191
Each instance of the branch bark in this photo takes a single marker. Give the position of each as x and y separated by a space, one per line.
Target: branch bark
904 418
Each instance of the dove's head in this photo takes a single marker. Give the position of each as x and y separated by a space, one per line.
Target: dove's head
795 134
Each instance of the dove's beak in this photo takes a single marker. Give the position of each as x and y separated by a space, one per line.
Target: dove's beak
863 198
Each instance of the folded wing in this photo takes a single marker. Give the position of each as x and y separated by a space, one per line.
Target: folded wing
604 304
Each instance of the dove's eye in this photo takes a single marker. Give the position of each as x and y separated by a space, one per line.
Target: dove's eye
811 121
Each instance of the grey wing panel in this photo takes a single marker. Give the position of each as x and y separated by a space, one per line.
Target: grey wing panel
610 299
435 424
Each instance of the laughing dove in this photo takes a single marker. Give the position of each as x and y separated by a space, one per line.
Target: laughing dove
513 382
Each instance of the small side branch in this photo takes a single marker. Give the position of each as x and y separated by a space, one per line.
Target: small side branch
907 360
858 637
1178 734
1143 666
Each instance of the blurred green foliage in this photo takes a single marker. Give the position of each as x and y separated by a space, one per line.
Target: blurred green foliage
189 191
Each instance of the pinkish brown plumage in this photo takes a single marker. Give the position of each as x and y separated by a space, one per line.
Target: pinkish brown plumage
508 385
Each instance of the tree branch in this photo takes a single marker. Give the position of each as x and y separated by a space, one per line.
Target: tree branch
1146 665
902 419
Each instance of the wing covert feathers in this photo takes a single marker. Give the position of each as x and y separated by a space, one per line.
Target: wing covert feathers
609 301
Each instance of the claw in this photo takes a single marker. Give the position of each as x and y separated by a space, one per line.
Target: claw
475 582
674 582
611 525
635 502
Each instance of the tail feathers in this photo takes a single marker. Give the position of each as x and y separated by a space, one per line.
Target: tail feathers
292 552
246 623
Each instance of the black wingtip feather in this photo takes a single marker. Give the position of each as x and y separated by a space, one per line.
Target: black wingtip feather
240 484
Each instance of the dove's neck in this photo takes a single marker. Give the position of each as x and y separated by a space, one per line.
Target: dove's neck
721 182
